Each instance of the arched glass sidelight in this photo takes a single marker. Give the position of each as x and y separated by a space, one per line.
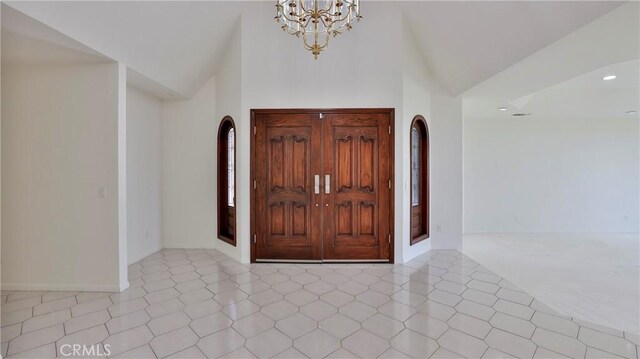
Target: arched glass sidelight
227 181
419 180
231 167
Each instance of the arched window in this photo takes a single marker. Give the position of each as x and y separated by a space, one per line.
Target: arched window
419 180
227 181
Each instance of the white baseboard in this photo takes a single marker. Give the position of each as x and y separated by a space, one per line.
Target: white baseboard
182 246
229 251
221 246
455 248
406 258
62 287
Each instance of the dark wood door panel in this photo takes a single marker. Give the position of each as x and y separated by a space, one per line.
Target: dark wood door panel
354 146
350 218
355 200
285 207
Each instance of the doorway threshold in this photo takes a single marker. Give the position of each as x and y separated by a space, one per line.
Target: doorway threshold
320 261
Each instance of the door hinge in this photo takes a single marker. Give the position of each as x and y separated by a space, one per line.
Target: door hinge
389 238
254 238
389 129
255 184
254 130
389 184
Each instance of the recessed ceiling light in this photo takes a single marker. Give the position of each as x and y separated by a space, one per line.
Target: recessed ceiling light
609 77
632 112
502 108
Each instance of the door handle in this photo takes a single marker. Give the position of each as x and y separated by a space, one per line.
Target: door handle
327 183
316 184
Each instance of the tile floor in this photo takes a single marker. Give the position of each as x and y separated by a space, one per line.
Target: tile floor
202 304
595 276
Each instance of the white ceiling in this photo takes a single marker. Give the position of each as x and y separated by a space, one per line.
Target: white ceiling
467 42
584 97
177 44
174 47
25 41
610 39
564 80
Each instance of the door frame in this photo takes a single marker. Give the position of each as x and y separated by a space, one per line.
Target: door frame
386 111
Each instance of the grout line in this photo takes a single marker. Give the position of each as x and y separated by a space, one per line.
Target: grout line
395 271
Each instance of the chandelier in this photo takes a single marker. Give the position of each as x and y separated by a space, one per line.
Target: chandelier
316 20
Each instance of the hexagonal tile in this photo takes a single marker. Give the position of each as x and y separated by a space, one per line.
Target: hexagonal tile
317 344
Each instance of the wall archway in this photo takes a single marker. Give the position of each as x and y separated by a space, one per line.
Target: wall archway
227 181
419 168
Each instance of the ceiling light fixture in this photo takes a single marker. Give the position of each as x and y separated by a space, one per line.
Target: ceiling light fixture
609 77
502 108
521 114
632 112
317 20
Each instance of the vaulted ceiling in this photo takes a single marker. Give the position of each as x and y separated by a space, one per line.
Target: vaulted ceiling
586 96
26 41
564 79
467 42
179 44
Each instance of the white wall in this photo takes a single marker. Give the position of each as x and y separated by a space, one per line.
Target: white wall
446 172
416 100
551 175
189 131
60 177
121 108
424 95
0 153
228 97
189 158
144 235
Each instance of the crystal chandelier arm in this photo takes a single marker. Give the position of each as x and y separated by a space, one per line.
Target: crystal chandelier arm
288 22
315 47
283 14
304 10
319 13
328 7
324 15
350 9
301 19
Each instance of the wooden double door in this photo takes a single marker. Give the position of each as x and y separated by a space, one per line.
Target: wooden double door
322 185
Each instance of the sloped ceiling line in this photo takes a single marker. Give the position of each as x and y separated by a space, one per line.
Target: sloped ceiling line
179 44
